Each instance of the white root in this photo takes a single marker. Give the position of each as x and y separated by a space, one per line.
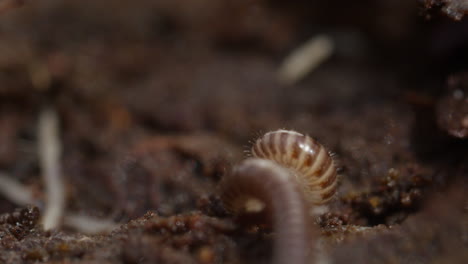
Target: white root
21 195
49 150
15 191
89 224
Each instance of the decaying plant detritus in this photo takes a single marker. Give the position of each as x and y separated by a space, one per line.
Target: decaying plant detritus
310 162
260 186
452 108
455 9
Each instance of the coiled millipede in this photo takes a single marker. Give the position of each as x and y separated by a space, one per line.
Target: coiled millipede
309 161
288 173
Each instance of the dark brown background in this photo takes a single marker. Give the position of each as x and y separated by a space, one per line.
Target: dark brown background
158 99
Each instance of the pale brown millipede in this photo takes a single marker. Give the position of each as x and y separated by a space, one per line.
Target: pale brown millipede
260 186
289 173
309 161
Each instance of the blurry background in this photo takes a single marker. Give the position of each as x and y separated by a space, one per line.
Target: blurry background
156 100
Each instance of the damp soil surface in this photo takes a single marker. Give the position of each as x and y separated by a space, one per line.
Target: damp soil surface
158 100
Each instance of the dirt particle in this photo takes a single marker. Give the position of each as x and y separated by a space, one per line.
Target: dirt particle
206 255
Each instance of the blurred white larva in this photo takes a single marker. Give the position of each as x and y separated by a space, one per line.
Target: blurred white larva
309 161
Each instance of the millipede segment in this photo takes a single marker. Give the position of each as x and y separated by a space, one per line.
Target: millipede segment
309 161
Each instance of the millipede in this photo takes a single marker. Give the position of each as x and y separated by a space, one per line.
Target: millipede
287 174
308 160
260 186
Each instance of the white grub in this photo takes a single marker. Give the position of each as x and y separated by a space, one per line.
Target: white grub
14 191
49 150
305 59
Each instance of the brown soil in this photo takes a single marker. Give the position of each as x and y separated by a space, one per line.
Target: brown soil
159 99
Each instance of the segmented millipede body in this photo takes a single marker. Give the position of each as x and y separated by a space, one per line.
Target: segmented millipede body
263 186
310 162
